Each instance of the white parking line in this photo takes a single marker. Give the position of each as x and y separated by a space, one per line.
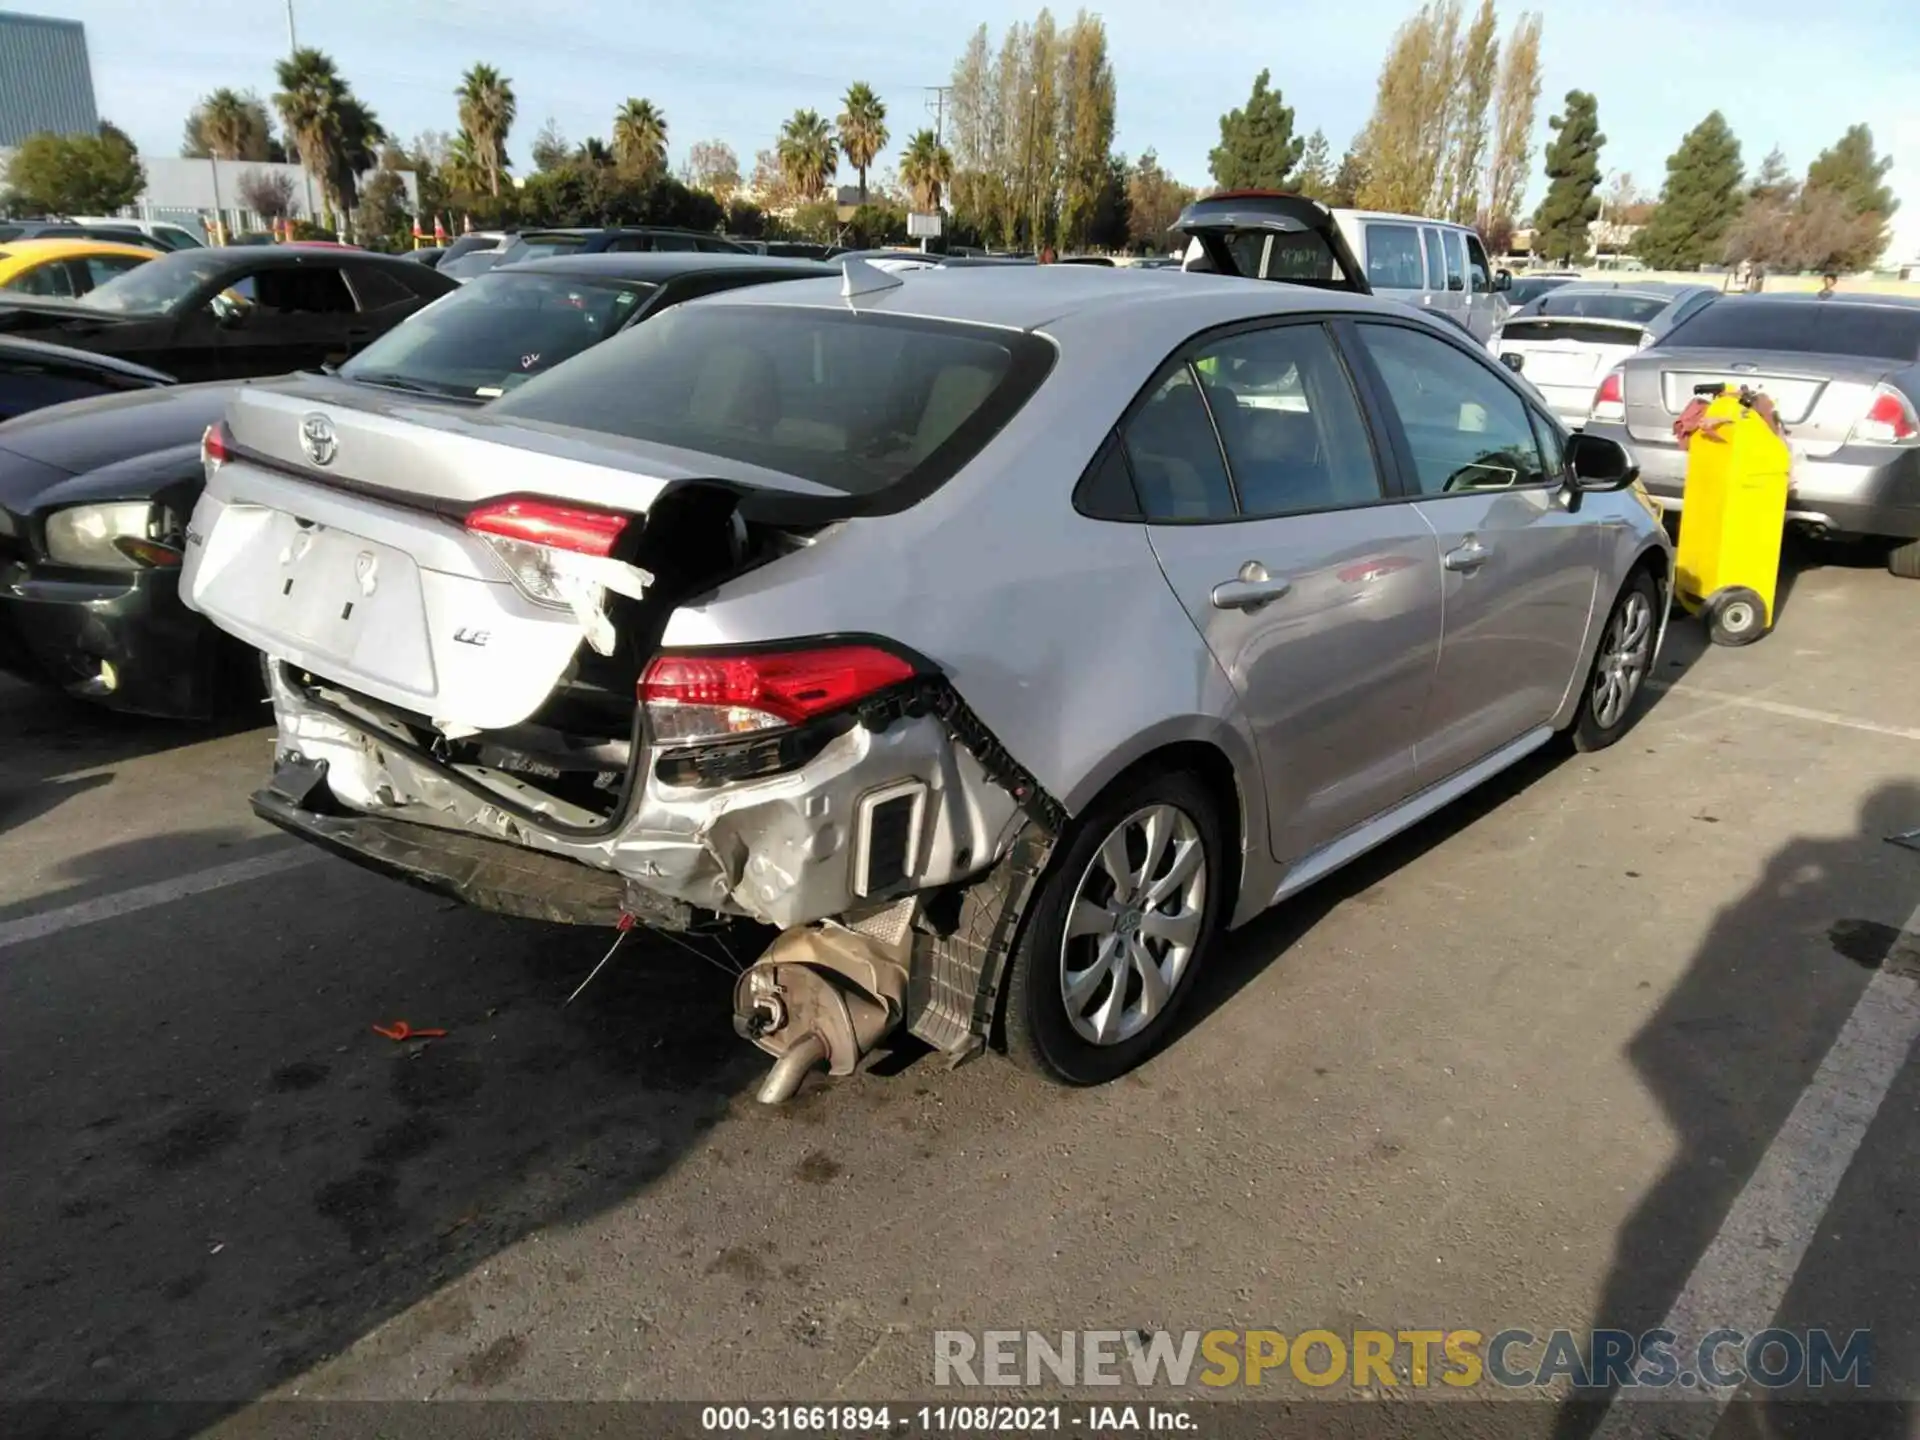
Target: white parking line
1745 1272
144 897
1791 712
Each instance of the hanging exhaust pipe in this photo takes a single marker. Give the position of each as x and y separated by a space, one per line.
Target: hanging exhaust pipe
821 994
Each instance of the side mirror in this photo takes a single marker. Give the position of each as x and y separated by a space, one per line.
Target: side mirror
1455 282
1600 465
1503 280
1514 361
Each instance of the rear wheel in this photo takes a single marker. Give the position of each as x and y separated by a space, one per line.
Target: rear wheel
1904 560
1117 931
1620 666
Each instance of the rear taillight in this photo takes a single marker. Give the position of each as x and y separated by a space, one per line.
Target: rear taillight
541 522
534 537
216 446
1889 420
690 698
1609 401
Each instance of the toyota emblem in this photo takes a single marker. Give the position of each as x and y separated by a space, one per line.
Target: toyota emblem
316 438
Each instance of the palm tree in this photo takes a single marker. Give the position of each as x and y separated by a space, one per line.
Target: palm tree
465 169
226 124
640 139
808 153
361 136
486 113
311 91
863 130
593 151
927 169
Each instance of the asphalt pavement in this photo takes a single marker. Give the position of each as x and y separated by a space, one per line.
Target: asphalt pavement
1538 1063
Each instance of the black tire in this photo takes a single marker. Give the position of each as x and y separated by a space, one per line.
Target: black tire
1904 560
1039 1031
1735 616
1600 721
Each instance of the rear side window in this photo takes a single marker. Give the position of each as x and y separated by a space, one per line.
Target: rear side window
856 402
302 291
1175 454
1456 261
52 279
1286 413
1813 327
1393 257
377 289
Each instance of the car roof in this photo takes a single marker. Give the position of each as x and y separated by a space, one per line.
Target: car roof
298 253
1808 297
662 266
528 232
57 247
1065 297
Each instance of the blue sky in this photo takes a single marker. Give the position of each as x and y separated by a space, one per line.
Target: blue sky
1783 73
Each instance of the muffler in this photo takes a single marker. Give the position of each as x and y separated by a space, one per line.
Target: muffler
820 993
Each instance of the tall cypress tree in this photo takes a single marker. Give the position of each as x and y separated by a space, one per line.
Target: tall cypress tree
1573 175
1257 149
1699 203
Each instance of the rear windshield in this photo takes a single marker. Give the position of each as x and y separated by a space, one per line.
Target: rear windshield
1815 327
541 247
497 333
857 402
1608 305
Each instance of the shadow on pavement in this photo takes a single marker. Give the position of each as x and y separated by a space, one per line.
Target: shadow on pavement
217 1174
48 731
1727 1055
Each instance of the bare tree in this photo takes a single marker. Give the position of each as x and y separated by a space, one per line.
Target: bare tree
1514 102
268 193
712 166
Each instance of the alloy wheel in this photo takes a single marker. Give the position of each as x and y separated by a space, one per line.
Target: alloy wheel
1135 919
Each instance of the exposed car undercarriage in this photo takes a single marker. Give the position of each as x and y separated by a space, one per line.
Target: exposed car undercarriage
895 858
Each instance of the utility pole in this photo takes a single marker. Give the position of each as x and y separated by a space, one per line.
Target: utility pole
292 43
937 103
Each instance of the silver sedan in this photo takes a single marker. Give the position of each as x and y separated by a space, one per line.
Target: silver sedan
1000 636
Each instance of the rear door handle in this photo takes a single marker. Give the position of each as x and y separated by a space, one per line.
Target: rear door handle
1470 556
1251 589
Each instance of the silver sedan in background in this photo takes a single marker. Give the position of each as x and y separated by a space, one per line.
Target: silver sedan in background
1844 377
1001 635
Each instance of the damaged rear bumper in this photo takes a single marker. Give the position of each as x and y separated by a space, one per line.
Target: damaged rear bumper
877 813
486 874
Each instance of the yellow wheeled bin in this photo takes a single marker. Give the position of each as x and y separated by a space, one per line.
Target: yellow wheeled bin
1732 515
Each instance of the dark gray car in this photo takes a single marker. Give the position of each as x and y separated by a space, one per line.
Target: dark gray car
1844 376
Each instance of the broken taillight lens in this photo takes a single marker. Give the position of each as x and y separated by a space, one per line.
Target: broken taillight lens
533 538
1609 401
690 698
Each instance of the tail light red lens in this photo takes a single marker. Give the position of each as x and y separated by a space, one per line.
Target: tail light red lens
1889 420
1610 400
691 698
542 522
216 446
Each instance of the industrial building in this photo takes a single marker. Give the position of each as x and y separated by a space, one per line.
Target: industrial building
45 80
